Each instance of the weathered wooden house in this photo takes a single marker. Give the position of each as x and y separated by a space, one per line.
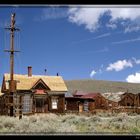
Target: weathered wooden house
112 99
127 99
82 101
74 102
40 93
93 101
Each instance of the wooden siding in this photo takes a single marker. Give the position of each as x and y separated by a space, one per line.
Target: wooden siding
100 102
127 99
60 104
137 100
72 103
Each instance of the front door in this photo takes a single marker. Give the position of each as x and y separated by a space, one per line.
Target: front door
41 105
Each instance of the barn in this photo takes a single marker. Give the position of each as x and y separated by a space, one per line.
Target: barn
40 93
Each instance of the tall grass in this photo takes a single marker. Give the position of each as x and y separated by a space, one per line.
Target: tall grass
71 123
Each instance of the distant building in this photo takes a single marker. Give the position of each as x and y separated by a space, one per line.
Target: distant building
84 101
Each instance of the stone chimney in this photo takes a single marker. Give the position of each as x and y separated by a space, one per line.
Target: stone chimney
29 71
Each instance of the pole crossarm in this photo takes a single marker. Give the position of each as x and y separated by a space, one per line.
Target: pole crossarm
13 29
11 51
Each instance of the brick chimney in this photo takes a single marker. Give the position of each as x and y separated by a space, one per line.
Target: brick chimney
29 71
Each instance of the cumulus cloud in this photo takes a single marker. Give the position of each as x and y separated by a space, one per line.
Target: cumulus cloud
133 78
90 17
92 73
119 65
86 16
124 13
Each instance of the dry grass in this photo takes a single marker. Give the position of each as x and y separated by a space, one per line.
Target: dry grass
71 123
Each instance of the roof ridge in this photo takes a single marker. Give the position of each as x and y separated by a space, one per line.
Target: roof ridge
34 75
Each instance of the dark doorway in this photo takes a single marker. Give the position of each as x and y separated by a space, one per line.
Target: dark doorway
40 105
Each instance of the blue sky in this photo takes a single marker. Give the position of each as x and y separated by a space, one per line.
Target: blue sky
77 42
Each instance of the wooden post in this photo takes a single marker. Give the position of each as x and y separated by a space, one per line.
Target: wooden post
12 82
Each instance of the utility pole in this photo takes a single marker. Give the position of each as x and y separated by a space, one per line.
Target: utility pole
12 82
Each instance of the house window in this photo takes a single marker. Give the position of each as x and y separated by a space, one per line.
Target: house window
86 105
27 104
54 103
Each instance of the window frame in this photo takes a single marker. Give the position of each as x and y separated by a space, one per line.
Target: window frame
54 103
27 104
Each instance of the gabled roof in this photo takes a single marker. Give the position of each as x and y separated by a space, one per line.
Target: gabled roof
55 83
40 84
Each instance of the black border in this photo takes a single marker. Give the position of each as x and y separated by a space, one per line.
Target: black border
71 2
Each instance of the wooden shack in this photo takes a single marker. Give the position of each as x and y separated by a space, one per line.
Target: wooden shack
127 99
85 102
93 101
40 93
112 99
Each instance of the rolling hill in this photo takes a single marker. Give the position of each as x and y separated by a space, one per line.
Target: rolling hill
102 86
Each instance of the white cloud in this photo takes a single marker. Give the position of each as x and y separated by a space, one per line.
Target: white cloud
52 12
124 13
86 16
133 78
127 41
93 38
119 65
111 25
105 49
103 35
92 73
137 61
90 16
132 29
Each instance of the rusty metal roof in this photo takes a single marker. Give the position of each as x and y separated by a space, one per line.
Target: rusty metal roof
79 93
90 96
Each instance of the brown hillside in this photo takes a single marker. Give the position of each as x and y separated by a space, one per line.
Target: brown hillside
102 86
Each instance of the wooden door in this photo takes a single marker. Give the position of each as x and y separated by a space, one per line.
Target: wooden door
80 107
40 106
